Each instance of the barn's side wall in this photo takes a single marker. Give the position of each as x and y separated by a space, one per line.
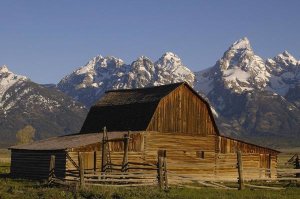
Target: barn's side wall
189 155
34 164
182 111
92 153
255 159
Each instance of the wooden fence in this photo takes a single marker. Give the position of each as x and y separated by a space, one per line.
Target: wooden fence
133 174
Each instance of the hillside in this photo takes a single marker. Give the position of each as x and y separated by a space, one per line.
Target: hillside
23 102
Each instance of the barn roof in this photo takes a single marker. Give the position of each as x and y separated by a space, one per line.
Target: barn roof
126 109
137 95
68 141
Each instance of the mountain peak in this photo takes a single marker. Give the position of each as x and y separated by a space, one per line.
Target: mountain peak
143 57
4 69
169 55
286 59
243 43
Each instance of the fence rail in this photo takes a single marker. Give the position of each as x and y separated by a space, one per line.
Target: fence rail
143 174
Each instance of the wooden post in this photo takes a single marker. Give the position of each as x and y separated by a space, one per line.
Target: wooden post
95 161
165 173
297 166
51 169
103 158
81 169
125 155
240 170
160 172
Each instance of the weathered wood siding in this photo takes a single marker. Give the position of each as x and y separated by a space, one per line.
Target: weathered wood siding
230 145
182 111
135 153
35 164
186 154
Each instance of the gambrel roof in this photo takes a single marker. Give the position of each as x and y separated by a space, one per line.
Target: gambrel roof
130 109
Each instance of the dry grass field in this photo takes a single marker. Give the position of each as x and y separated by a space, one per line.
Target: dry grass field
4 155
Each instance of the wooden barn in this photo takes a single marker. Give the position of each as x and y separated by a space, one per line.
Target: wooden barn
171 117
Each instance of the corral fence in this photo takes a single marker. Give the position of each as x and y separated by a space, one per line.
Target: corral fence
145 174
128 174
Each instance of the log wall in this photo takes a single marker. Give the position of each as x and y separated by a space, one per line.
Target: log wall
186 154
35 164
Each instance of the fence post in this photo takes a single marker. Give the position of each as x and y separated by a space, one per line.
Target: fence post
95 161
297 166
162 169
103 159
51 169
81 169
160 173
165 172
125 155
240 170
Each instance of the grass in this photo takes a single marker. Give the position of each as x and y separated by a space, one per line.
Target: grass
18 188
4 155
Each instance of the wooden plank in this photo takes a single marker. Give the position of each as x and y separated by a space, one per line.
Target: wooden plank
81 169
240 170
51 169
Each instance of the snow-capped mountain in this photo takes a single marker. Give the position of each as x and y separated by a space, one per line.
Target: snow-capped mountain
88 83
253 97
23 102
250 97
239 70
285 73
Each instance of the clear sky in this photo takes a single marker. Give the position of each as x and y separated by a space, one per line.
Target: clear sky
46 40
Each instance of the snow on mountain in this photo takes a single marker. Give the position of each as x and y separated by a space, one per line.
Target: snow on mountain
48 110
285 73
88 83
8 79
239 70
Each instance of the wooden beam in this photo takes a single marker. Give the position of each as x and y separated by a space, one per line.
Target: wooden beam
297 166
81 169
125 155
165 173
103 158
51 169
240 170
95 161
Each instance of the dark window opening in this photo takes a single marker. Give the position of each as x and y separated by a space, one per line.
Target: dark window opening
200 154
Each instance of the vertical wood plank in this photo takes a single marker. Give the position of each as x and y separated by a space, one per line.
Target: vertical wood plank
51 169
125 155
95 161
240 170
81 169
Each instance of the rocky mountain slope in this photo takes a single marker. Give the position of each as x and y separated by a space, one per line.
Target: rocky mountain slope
251 97
255 98
88 83
48 110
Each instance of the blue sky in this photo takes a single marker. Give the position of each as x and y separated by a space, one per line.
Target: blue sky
45 40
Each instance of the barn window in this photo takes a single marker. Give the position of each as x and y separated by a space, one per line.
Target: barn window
200 154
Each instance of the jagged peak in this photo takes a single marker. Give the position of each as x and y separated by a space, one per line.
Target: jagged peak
286 58
243 43
143 57
4 69
169 55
